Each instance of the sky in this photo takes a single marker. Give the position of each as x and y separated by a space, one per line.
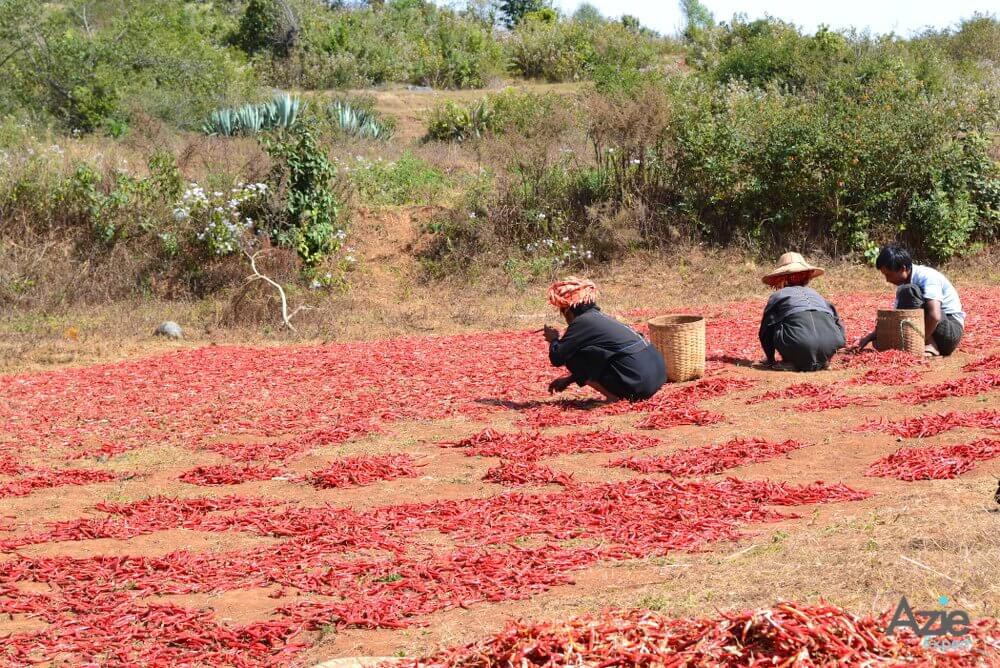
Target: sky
903 17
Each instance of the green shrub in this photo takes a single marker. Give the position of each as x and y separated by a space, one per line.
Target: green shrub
158 57
494 114
406 40
873 150
267 25
574 50
454 53
407 180
515 11
307 214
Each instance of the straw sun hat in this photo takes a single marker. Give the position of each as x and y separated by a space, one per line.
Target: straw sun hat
792 263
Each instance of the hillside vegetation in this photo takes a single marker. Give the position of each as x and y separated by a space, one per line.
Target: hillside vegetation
149 148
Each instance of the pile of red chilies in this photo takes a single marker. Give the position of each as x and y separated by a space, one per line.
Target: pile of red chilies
363 470
795 391
937 463
676 417
936 423
990 363
711 458
371 562
890 375
45 479
969 386
514 473
787 634
529 446
229 474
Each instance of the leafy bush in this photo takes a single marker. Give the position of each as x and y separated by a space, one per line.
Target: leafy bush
876 146
574 50
307 215
267 25
220 217
494 114
407 180
406 40
155 56
514 11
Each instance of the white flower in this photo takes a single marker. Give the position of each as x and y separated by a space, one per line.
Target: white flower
472 214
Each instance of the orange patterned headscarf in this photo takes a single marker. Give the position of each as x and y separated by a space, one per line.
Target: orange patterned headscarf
571 292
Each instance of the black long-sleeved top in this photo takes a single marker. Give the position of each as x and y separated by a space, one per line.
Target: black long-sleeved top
789 301
596 347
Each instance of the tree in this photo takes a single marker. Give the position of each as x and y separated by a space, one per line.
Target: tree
485 12
267 25
631 23
514 10
588 14
697 18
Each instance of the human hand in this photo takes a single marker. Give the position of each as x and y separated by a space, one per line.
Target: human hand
560 384
863 341
550 333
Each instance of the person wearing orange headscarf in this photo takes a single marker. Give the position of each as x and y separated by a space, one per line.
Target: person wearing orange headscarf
597 350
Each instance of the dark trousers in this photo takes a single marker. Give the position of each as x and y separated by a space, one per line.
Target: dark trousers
808 340
949 331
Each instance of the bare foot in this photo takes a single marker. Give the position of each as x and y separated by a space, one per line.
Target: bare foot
931 350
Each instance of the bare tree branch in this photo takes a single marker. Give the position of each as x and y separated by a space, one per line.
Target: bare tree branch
286 317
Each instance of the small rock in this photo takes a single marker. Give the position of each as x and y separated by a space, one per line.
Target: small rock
170 329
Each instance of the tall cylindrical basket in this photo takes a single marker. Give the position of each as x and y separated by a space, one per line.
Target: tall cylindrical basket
900 329
681 341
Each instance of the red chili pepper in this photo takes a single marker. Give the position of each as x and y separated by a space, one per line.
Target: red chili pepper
935 463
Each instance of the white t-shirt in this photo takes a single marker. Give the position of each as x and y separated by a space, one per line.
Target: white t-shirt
934 285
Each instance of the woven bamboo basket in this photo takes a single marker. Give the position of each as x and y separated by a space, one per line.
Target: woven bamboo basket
681 341
900 329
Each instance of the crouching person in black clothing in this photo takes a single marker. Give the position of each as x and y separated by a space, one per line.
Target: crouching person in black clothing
597 350
798 322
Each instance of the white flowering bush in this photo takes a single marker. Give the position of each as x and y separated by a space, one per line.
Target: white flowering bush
559 251
219 217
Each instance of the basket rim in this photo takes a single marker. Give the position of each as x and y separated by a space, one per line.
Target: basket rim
900 311
670 319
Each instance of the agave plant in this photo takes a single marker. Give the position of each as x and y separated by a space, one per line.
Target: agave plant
283 111
221 122
358 122
250 119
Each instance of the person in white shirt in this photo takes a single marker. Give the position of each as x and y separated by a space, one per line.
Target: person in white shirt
921 287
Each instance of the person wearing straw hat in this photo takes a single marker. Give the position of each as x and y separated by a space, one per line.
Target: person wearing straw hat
597 350
797 321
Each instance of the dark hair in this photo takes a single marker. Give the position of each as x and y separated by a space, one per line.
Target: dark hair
894 258
582 308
